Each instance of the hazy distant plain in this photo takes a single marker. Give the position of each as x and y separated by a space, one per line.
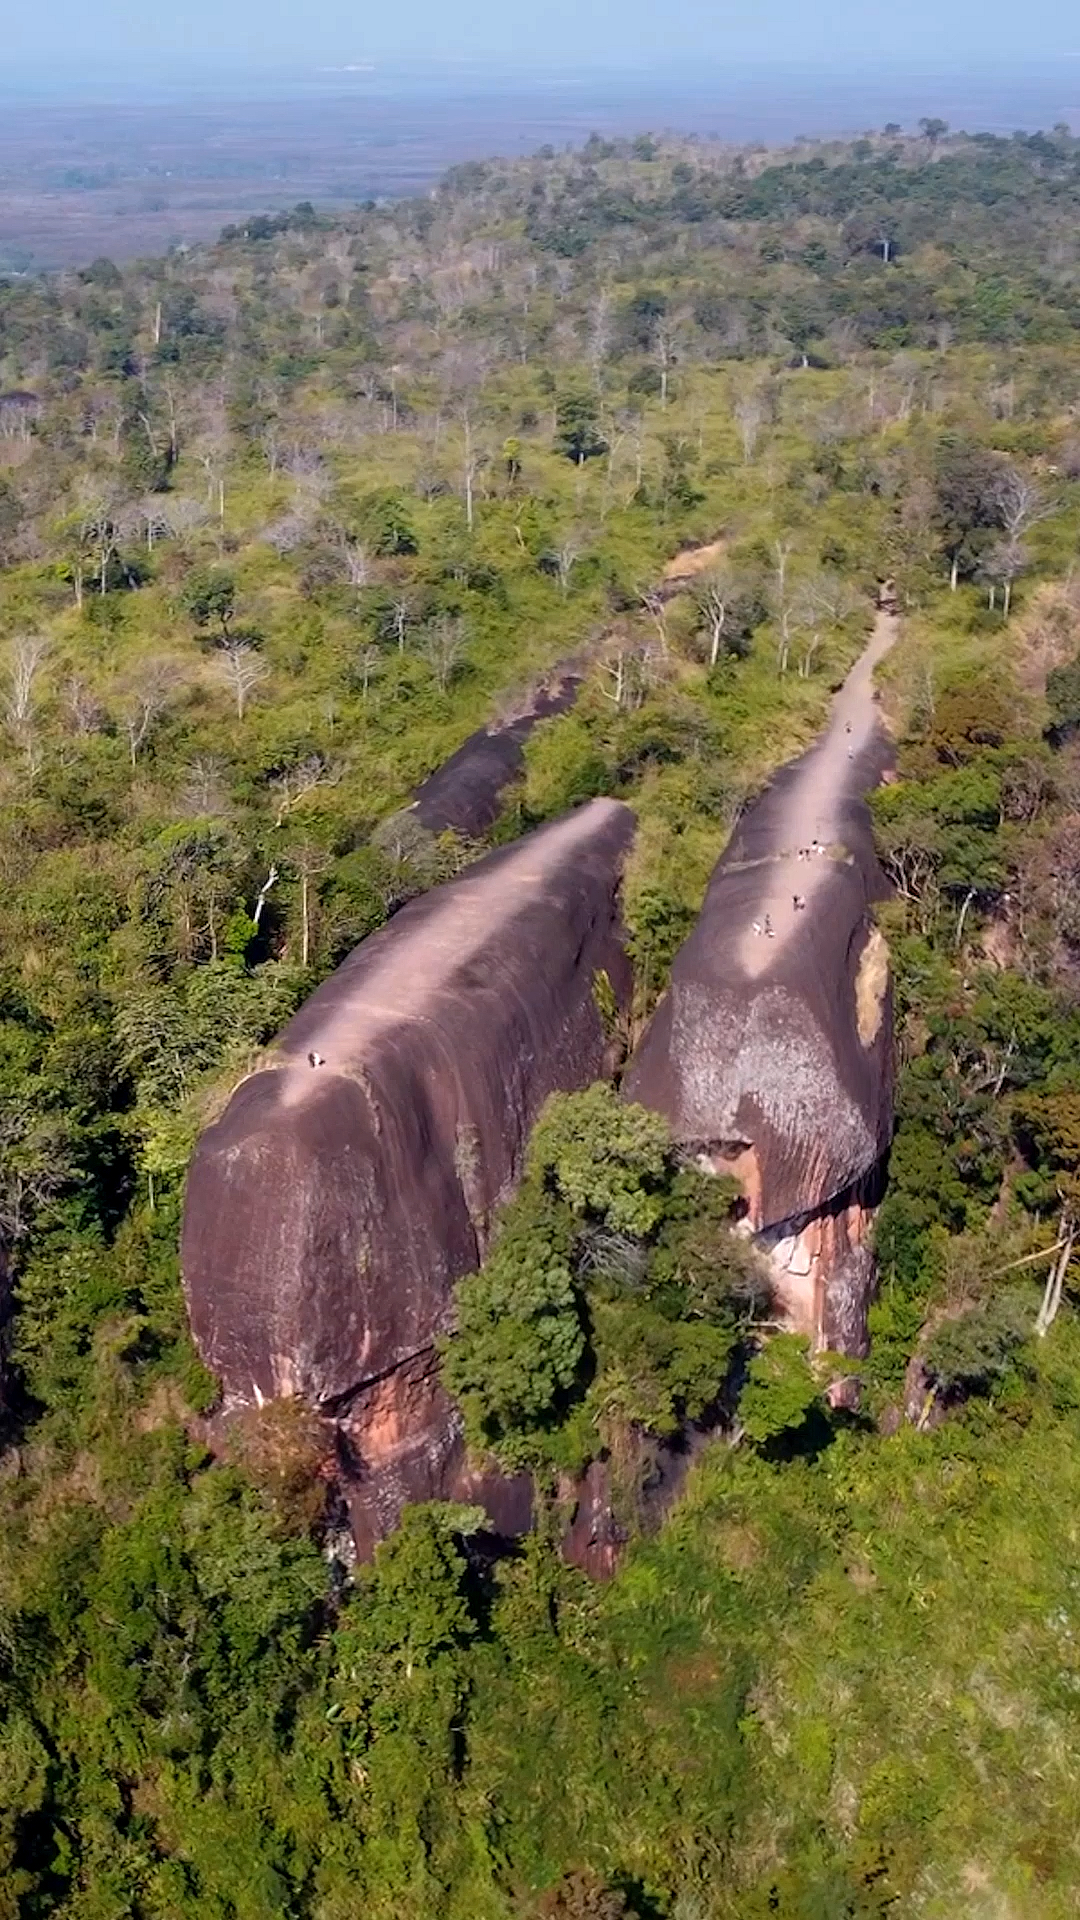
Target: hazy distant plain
90 167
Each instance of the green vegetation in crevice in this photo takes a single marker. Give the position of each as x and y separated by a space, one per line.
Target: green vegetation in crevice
613 1300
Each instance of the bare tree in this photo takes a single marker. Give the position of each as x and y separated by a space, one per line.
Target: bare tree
654 605
599 333
751 413
783 550
714 596
400 616
786 625
24 664
353 554
184 516
85 712
271 445
665 352
564 557
628 672
1003 565
1021 504
828 597
263 895
444 647
244 671
473 459
149 695
308 860
294 783
204 793
146 520
368 663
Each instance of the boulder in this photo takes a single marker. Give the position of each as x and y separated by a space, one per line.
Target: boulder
352 1178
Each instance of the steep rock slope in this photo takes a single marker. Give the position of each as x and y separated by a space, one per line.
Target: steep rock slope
771 1053
333 1205
466 792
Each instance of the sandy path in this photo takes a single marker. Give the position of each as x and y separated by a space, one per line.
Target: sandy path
812 809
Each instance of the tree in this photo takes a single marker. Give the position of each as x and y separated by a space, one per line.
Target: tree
519 1340
582 1895
88 536
244 671
1063 695
27 656
577 427
968 483
443 648
968 1353
604 1156
209 596
781 1392
191 883
411 1606
149 694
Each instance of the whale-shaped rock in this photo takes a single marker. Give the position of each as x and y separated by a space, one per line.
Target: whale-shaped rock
771 1052
351 1180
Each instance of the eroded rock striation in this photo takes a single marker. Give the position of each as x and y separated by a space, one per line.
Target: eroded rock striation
351 1180
771 1053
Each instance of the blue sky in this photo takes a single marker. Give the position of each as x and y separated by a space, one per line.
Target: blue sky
836 34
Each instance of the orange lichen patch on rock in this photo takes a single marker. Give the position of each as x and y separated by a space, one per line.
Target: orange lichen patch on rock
823 1271
872 987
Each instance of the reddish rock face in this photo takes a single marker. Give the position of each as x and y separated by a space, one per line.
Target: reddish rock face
771 1056
332 1207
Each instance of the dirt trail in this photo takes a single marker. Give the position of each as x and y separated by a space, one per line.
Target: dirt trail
808 829
692 561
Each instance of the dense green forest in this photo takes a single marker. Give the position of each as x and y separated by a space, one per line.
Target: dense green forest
281 521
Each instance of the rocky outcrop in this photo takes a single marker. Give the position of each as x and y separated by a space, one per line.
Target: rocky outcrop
352 1178
771 1053
465 793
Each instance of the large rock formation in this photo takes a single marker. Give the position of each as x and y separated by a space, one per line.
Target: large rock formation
771 1053
333 1205
466 792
